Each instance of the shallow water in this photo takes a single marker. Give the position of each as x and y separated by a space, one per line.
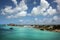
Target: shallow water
22 33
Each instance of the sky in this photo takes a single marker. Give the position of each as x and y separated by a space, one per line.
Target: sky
42 12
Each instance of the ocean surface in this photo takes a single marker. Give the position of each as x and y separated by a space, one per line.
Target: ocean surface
25 33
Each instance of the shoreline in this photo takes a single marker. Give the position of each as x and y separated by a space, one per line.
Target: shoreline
56 30
53 28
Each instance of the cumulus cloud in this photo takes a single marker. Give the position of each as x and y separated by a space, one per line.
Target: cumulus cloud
18 15
21 14
7 10
15 2
35 11
56 18
58 6
9 16
44 5
50 11
19 10
43 9
23 5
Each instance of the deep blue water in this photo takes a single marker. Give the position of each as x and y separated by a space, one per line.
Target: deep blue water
23 33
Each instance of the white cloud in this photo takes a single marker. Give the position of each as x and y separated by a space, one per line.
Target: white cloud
36 19
56 18
2 12
15 2
44 5
18 15
19 10
20 20
50 11
43 20
35 11
23 5
9 16
58 6
58 1
29 14
7 10
34 2
21 14
51 20
47 20
43 9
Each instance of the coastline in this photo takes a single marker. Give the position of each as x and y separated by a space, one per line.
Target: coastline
53 28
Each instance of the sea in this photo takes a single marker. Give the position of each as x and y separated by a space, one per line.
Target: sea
26 33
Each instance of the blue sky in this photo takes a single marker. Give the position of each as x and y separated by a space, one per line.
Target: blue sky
29 11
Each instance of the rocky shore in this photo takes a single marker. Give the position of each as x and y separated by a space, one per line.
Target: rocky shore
55 28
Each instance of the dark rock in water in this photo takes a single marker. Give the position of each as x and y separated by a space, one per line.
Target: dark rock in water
41 29
11 28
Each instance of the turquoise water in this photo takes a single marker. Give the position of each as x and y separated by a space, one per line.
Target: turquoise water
22 33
